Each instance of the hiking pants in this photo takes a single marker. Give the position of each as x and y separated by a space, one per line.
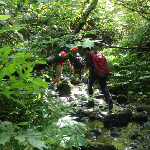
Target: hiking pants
102 84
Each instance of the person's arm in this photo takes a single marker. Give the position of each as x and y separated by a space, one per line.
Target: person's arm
69 64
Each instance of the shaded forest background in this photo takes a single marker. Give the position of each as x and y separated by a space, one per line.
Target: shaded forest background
30 31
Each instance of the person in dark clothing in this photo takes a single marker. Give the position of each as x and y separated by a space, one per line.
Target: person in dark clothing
77 60
59 69
88 46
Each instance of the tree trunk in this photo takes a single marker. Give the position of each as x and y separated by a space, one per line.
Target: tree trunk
84 17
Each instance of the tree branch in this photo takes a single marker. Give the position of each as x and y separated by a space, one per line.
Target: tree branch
140 12
134 47
85 16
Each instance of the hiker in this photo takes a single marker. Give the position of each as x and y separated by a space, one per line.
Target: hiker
77 60
58 69
88 46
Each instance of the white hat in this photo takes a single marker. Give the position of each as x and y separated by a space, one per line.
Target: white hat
88 44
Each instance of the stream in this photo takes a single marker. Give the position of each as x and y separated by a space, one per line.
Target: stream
134 135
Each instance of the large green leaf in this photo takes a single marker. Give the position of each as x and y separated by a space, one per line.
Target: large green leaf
37 143
14 27
4 17
10 69
4 137
40 82
20 138
82 141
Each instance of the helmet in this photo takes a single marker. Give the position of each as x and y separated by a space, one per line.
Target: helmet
88 44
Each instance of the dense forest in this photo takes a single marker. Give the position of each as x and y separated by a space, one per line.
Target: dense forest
31 30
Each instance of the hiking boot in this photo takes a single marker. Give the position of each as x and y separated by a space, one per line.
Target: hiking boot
110 103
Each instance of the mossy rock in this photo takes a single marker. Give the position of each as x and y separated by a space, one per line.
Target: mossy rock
140 117
118 89
116 120
75 80
64 87
121 99
97 146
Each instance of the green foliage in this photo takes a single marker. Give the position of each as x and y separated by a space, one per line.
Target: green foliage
29 30
130 74
49 126
64 87
17 63
4 17
75 80
13 138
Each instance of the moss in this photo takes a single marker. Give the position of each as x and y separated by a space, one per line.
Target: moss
121 98
64 87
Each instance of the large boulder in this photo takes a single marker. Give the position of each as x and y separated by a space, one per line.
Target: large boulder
121 99
64 87
120 119
97 146
140 117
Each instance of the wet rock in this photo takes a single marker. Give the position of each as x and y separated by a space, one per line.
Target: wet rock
90 103
84 119
75 80
100 106
134 144
116 120
104 113
141 117
74 105
96 132
91 135
139 109
92 115
86 112
99 146
115 134
127 112
80 105
98 117
134 135
121 99
130 148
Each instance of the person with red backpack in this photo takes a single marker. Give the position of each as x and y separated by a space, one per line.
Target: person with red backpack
98 70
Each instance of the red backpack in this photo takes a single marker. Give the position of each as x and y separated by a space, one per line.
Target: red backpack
100 64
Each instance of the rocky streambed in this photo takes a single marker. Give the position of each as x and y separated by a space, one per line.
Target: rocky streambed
126 127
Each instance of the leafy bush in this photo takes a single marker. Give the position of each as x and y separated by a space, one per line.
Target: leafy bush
64 87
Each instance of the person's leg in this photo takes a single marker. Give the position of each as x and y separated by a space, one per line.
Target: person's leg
80 74
104 88
58 71
90 81
105 91
57 79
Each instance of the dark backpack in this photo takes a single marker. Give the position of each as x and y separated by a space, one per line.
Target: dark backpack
100 64
78 61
